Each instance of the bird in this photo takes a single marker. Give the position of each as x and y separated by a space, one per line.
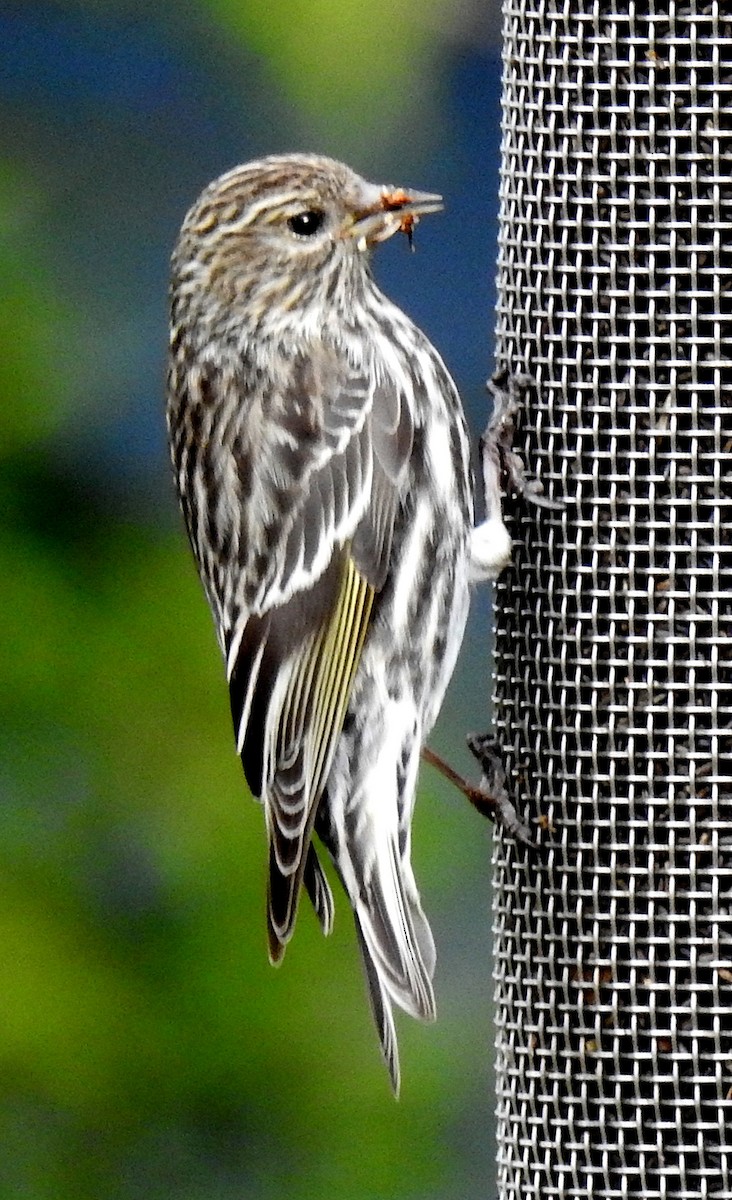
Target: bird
322 462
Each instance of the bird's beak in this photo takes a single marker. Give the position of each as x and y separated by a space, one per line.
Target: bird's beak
386 211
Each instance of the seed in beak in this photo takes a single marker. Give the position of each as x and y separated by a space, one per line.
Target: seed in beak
415 203
387 211
409 220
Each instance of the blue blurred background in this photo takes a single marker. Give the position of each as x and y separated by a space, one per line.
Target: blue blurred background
147 1049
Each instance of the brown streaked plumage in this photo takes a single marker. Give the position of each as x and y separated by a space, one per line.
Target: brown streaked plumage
321 458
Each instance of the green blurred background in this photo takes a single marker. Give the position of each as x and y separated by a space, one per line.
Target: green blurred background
147 1049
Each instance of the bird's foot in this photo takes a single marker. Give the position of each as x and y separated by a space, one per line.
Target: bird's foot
490 798
492 787
500 460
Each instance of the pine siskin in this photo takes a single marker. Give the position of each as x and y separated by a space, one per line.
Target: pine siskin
322 462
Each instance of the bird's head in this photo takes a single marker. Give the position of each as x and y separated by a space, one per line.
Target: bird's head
288 233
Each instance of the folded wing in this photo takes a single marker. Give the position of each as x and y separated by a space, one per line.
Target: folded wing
326 459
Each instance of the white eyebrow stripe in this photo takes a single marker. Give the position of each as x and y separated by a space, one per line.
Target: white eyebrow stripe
275 204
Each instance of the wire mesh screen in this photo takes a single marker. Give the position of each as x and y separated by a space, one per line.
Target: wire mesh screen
614 625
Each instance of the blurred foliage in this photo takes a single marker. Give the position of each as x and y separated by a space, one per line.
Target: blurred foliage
32 319
146 1046
343 58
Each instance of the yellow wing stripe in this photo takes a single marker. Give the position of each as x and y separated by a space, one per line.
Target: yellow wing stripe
341 651
317 697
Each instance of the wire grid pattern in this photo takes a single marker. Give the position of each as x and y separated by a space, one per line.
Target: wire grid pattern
613 940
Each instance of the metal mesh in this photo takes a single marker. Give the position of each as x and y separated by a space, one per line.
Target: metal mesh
614 625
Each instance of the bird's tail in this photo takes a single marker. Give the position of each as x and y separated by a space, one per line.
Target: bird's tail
398 951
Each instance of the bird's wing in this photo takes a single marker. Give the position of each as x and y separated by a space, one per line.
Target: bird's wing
326 458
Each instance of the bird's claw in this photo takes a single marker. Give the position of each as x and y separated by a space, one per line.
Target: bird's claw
491 797
496 444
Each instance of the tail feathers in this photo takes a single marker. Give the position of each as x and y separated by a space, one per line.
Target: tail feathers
398 953
425 940
382 1014
398 937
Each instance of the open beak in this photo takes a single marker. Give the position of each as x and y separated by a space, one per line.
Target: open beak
388 211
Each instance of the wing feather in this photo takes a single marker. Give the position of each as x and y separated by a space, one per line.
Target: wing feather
322 467
320 706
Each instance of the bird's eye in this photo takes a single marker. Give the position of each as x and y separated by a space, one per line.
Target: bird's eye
305 224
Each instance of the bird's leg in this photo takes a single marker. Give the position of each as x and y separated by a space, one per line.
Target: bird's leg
490 542
503 474
484 803
490 798
490 552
